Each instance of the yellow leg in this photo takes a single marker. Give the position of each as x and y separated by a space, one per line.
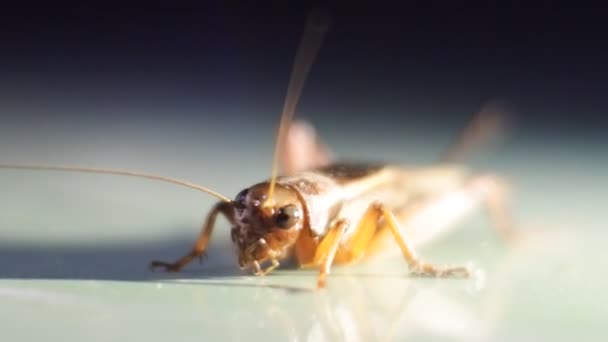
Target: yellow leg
415 265
358 244
326 251
309 252
329 249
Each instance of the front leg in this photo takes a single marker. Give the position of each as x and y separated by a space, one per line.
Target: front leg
201 243
327 249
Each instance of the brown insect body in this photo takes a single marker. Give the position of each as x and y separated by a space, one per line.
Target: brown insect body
322 196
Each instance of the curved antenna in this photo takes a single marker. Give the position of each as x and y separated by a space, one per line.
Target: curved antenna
115 172
317 24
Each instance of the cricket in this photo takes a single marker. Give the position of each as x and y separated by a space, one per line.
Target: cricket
322 212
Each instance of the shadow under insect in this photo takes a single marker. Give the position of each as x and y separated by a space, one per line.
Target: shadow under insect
118 260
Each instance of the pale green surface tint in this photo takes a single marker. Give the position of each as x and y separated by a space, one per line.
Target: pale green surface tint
74 250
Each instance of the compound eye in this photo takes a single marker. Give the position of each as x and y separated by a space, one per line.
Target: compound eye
287 216
241 196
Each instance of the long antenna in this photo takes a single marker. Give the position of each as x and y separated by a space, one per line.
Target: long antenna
115 172
317 24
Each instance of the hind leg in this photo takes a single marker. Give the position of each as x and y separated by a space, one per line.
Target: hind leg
426 220
486 192
496 203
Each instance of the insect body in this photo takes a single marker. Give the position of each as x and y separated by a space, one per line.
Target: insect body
341 213
323 212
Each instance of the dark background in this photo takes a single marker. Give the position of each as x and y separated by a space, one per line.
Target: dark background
222 62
